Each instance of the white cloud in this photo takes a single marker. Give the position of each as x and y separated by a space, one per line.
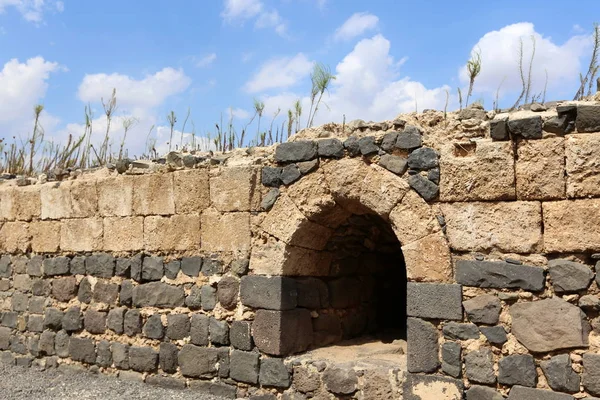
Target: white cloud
238 11
33 10
145 93
207 60
356 25
239 113
500 57
280 73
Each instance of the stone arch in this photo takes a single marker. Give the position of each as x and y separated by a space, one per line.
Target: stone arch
290 242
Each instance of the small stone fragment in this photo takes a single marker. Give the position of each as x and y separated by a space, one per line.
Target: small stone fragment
456 330
494 334
479 366
395 164
483 309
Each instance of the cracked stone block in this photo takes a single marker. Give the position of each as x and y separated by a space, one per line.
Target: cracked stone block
560 375
501 275
451 359
479 366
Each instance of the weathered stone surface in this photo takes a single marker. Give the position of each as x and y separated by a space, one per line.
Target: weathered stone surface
428 259
451 359
295 151
421 387
199 329
426 188
395 164
499 129
46 345
208 295
269 199
457 330
568 276
167 357
433 300
101 265
517 369
548 325
227 232
494 334
191 265
15 237
217 389
152 269
82 349
423 159
388 142
64 289
499 274
524 393
367 145
153 328
175 232
274 373
56 266
507 226
240 335
53 318
61 344
271 176
589 302
528 127
114 320
94 321
123 233
85 292
142 359
351 144
158 294
282 332
588 118
484 309
313 293
103 354
106 293
274 293
571 226
126 293
422 339
582 165
560 374
330 148
340 380
153 194
227 292
197 361
132 323
591 373
540 169
45 236
476 392
191 190
479 366
409 138
72 320
290 174
244 366
211 266
219 332
487 173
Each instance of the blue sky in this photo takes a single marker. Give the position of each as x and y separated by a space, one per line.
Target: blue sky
215 56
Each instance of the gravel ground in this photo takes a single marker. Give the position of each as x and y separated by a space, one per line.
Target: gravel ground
21 383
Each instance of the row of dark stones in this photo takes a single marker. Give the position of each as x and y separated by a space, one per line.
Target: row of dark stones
584 117
301 158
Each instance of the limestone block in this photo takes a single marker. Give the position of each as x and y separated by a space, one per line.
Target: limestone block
225 232
382 190
234 188
571 226
312 197
487 173
413 219
15 237
81 234
428 259
191 191
345 178
45 236
273 257
288 224
540 169
84 198
115 196
123 233
177 232
7 203
56 200
421 387
507 226
153 194
582 165
27 203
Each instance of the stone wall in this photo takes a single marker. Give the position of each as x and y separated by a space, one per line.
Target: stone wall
215 273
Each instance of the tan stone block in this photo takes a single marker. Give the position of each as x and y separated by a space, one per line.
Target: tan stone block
82 234
153 194
382 190
428 259
288 224
45 236
312 197
115 196
177 232
192 193
27 203
485 173
225 232
344 178
571 225
123 233
233 188
84 198
56 200
583 164
15 237
7 203
274 257
413 219
505 226
540 169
